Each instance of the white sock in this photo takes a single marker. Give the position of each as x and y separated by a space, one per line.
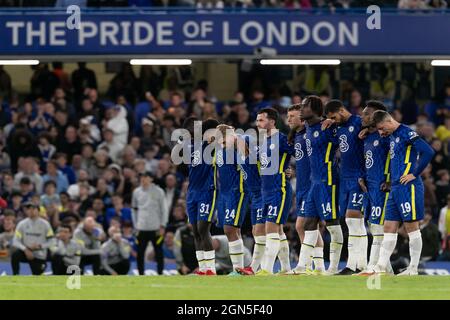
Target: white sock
415 249
353 225
337 240
236 249
283 253
319 264
200 254
377 234
271 252
210 260
258 252
363 242
307 249
387 247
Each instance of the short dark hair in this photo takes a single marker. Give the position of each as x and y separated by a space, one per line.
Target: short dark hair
271 113
379 116
66 226
315 103
295 107
25 180
209 124
376 105
48 183
333 106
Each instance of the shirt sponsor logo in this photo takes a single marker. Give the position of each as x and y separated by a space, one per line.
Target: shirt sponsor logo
369 159
298 151
343 144
195 158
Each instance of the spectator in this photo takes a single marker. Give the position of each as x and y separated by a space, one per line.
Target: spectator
430 237
55 175
29 168
150 216
90 235
66 252
46 149
6 184
117 122
184 250
118 210
67 170
223 260
71 145
109 145
168 247
33 237
50 200
63 76
444 220
127 233
115 254
5 159
83 78
7 234
22 145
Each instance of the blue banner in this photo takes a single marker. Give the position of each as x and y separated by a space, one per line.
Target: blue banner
222 33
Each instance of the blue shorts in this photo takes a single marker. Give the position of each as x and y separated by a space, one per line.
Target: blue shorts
256 207
200 205
322 202
375 204
235 205
300 200
406 202
277 205
351 196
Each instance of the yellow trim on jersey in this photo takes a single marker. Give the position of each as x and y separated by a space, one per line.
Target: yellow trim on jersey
413 201
408 164
215 188
212 206
258 165
283 160
241 181
333 202
386 168
386 197
238 213
283 200
329 167
18 234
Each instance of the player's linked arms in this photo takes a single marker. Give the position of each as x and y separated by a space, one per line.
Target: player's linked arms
363 133
326 124
406 179
362 184
385 186
289 172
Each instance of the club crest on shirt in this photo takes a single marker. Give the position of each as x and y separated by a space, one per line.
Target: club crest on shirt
316 134
351 128
397 139
376 143
413 134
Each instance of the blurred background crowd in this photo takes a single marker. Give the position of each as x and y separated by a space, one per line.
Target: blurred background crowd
288 4
76 153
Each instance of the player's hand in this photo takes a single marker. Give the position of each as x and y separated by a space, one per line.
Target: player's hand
29 254
362 184
327 123
363 133
162 230
408 178
289 173
385 187
34 246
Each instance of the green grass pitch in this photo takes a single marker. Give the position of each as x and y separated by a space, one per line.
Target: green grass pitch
222 287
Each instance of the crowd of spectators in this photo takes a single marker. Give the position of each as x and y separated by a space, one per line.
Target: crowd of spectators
289 4
78 156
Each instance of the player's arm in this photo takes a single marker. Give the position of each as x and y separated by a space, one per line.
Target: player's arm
134 208
75 259
49 238
425 155
104 257
124 249
18 238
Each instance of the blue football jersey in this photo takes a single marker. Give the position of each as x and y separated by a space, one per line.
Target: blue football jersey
377 159
302 166
202 176
321 148
351 149
275 155
250 169
403 153
229 177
